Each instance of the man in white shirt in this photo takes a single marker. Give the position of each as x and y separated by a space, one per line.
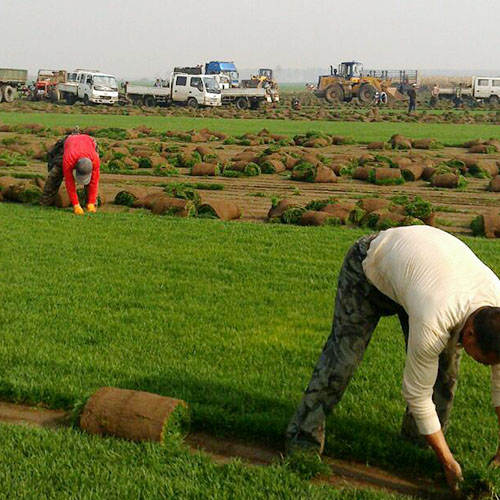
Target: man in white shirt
445 297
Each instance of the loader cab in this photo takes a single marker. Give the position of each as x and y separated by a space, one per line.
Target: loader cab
350 69
266 73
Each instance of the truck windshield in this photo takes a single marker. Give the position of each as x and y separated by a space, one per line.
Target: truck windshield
211 85
105 83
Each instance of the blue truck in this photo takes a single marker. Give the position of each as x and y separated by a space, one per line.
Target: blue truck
224 68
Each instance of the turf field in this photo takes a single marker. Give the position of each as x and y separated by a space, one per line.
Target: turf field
230 317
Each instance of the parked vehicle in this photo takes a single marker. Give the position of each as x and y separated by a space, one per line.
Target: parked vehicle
183 88
89 86
46 85
482 88
10 81
350 80
223 68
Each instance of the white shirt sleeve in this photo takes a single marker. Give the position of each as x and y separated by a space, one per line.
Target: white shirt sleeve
420 373
495 385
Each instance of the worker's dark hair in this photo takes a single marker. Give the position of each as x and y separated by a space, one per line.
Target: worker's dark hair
487 330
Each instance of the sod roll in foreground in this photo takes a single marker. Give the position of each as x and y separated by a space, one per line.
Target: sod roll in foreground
134 415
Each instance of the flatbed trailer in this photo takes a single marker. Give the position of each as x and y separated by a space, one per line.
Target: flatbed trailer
244 98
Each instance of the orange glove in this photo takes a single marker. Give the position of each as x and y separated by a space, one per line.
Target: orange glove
78 210
91 208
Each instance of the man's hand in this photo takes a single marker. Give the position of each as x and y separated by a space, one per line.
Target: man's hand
77 209
91 208
453 473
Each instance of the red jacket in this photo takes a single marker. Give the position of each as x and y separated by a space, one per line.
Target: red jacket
75 147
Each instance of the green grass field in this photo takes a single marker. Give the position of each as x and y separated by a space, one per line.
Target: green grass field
230 317
448 134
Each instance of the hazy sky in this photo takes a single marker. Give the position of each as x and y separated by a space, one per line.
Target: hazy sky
133 38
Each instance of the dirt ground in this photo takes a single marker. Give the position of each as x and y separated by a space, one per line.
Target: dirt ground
343 472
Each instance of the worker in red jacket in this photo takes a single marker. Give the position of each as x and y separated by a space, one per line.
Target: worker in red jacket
75 154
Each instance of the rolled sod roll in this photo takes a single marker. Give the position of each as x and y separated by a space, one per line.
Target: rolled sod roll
445 181
376 145
474 142
399 141
425 143
412 172
371 204
166 205
482 149
208 169
312 218
486 225
362 173
220 209
402 162
319 142
22 192
272 167
147 201
7 180
281 208
204 151
130 196
335 210
494 184
494 143
291 162
238 166
428 173
248 156
133 415
324 175
478 167
384 174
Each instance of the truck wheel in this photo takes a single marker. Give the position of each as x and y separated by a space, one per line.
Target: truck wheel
192 103
494 100
242 103
1 93
70 98
149 101
9 93
86 100
334 93
255 104
366 93
55 95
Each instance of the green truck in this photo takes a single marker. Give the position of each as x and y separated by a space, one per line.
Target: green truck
10 81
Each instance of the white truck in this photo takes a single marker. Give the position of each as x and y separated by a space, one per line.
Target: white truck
482 88
183 88
89 86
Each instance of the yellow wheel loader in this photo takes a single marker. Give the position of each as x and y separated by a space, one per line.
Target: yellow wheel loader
350 81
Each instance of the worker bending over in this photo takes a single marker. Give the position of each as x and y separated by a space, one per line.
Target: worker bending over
76 153
446 299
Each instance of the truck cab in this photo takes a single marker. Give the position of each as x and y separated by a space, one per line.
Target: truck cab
89 86
195 90
486 87
98 88
225 68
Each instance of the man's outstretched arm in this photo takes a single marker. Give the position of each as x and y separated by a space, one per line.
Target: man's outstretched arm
451 467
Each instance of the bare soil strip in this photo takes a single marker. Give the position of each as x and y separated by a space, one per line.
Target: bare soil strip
222 450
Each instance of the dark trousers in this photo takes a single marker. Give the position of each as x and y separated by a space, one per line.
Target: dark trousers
358 309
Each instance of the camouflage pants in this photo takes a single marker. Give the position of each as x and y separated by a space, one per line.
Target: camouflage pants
358 309
55 175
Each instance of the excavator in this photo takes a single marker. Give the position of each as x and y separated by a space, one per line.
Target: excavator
349 80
